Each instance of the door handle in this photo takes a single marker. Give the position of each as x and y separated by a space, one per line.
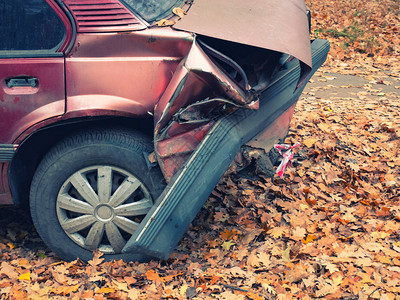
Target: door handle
22 81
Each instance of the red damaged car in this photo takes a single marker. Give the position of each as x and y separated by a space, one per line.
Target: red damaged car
114 128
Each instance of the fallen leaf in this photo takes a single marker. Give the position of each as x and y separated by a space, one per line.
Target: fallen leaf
310 238
153 276
165 22
277 232
25 276
11 245
286 254
179 12
104 290
227 245
310 142
65 290
298 233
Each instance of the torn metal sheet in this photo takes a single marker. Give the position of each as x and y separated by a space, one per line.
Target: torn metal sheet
196 78
198 94
234 54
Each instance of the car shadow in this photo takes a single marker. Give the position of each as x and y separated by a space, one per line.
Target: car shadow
17 231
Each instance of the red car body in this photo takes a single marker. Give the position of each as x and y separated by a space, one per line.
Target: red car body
111 67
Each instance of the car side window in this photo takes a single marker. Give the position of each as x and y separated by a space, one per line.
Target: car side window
29 25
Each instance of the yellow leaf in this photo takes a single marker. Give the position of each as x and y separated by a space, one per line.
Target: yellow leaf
179 12
227 245
26 276
165 22
105 290
23 262
310 142
11 245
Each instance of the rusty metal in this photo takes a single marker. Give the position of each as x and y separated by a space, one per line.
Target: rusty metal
173 152
257 152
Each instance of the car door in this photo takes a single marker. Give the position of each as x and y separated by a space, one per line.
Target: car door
33 36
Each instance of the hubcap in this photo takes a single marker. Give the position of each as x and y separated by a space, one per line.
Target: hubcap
101 207
104 213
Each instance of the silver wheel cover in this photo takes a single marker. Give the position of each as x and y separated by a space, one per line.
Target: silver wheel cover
101 207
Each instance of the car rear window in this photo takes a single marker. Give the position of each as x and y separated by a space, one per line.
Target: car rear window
153 10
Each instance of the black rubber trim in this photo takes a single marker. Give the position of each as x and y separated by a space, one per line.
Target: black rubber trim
7 152
71 21
177 206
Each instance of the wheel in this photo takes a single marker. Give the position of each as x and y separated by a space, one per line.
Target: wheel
91 191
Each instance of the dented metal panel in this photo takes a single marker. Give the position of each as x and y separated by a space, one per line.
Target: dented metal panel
274 24
196 80
200 79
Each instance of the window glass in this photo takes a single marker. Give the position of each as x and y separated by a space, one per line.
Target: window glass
153 10
29 25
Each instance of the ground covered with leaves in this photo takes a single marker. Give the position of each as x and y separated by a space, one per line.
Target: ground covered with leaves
363 33
328 229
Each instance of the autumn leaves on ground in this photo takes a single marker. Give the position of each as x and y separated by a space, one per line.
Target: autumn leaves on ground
329 229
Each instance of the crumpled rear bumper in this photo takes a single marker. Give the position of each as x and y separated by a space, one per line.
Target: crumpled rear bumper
177 206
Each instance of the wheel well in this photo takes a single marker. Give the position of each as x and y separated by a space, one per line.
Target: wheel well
34 147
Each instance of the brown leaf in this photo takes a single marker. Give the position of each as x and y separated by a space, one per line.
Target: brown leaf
277 232
296 274
104 290
310 142
153 276
298 234
65 290
252 260
97 258
228 234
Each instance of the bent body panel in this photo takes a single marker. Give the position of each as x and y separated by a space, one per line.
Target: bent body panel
173 211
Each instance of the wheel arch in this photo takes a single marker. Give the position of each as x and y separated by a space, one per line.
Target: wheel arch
33 148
